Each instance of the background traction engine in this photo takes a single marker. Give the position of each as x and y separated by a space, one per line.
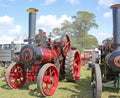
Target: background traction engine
107 69
44 60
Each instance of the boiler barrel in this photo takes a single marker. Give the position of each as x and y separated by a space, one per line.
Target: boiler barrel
45 55
32 54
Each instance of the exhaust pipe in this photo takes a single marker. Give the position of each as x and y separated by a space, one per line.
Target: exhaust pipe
32 24
116 26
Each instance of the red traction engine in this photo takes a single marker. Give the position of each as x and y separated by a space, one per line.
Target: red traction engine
44 61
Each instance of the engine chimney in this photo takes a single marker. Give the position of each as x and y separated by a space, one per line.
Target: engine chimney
32 24
114 57
116 26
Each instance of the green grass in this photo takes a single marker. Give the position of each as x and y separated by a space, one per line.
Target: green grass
81 89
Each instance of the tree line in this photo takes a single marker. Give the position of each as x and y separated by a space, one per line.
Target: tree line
78 30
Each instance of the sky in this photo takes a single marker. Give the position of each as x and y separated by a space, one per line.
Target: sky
14 17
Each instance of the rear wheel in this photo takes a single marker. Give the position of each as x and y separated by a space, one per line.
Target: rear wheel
47 79
65 45
15 75
72 65
96 81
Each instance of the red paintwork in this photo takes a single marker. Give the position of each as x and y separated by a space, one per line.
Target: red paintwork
76 66
17 76
31 73
66 46
41 50
50 80
55 54
48 55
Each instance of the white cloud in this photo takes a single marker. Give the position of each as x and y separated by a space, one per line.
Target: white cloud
73 1
51 21
8 30
8 39
106 3
47 2
105 34
5 39
102 36
11 33
15 30
107 14
6 21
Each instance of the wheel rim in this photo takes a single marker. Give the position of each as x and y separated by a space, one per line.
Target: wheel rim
96 81
93 83
48 81
16 75
76 66
65 44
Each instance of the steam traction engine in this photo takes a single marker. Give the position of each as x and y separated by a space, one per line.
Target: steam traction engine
107 69
44 60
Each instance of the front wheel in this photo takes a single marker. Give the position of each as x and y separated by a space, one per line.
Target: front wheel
15 75
47 79
96 81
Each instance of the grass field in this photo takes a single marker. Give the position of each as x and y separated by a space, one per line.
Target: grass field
81 89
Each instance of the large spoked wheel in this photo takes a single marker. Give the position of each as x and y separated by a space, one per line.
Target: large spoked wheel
65 44
47 79
72 65
96 81
15 75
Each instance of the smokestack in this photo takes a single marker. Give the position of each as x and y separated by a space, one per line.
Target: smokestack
32 23
116 26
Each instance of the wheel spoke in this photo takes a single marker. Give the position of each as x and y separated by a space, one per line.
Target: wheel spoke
76 59
65 44
51 72
76 66
12 74
45 87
